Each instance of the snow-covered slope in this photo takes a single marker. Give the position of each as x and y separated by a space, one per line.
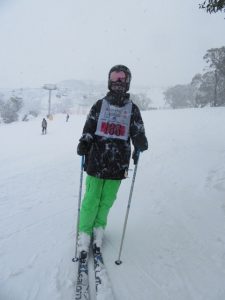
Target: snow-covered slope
174 246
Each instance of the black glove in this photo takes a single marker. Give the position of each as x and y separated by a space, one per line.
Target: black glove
83 148
135 155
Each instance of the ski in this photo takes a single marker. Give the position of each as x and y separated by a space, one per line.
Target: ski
102 282
82 281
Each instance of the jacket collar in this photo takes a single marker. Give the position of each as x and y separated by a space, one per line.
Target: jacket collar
117 99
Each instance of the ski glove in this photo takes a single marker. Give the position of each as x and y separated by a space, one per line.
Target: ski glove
84 145
83 148
135 155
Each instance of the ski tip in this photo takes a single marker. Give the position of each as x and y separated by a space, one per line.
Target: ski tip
118 262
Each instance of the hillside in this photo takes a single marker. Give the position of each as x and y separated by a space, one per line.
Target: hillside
174 246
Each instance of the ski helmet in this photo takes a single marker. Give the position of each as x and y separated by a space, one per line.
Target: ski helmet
119 79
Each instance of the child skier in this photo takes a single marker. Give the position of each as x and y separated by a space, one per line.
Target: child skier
112 122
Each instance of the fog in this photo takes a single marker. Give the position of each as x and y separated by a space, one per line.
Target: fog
163 43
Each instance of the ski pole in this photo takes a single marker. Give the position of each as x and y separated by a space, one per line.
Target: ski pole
118 261
75 258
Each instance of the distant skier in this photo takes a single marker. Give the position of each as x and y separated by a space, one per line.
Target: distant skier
44 126
67 117
112 122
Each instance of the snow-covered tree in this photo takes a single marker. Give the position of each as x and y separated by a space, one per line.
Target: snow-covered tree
9 109
205 93
215 57
180 96
142 100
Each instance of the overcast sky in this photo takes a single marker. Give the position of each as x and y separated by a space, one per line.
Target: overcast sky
162 42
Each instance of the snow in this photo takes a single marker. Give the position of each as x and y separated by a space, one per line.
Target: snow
174 247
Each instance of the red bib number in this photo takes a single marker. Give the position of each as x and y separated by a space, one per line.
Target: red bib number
113 129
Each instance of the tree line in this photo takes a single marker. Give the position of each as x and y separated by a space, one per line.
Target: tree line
23 107
204 89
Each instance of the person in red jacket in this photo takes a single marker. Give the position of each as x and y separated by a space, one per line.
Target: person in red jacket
112 124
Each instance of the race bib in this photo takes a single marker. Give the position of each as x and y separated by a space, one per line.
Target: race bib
113 121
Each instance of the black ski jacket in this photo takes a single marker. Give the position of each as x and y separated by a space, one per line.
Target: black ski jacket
108 158
44 123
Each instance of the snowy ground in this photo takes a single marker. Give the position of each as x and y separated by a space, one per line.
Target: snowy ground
175 243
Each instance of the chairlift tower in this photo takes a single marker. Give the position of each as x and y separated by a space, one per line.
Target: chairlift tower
50 88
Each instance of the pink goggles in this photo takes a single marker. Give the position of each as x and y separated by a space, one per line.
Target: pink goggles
117 76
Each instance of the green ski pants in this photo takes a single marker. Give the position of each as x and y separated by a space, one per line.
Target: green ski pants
99 197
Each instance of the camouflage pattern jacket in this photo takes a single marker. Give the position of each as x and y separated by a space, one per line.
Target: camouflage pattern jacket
108 156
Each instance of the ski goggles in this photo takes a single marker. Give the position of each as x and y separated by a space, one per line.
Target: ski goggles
117 76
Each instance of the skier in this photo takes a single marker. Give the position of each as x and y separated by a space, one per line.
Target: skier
112 122
67 117
44 126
